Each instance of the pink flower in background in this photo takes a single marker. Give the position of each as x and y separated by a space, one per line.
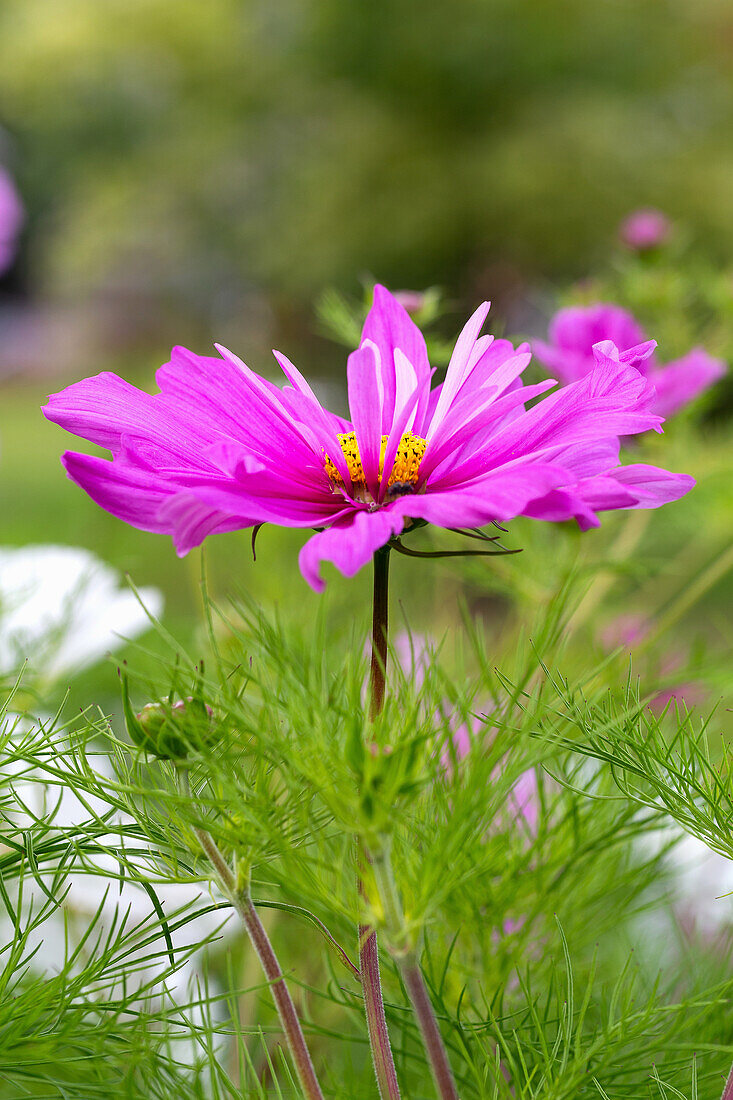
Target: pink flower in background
411 300
413 654
221 448
11 220
629 630
644 229
575 331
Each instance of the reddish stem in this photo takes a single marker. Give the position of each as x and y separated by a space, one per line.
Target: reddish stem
432 1039
384 1067
242 902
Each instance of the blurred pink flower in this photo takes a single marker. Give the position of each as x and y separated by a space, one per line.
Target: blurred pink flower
413 655
11 220
629 630
576 332
411 300
644 229
625 630
221 448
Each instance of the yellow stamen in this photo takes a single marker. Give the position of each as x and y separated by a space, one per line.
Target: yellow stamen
405 470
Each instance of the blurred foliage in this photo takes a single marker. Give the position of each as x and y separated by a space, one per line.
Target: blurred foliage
195 153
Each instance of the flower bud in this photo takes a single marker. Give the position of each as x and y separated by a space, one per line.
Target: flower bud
169 730
411 300
645 229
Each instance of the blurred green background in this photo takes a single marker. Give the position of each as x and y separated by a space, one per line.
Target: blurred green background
217 160
194 172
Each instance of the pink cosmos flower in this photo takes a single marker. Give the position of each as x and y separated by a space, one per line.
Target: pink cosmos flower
644 229
11 220
570 354
221 448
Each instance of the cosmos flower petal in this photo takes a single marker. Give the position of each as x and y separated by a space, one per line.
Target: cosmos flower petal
349 543
269 497
407 383
573 331
639 354
103 408
389 326
501 366
495 374
236 404
365 403
394 438
650 486
587 459
499 496
578 328
468 423
148 502
684 379
133 495
309 410
188 521
637 486
309 424
460 364
613 400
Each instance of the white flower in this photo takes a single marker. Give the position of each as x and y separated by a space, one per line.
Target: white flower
63 609
107 893
703 885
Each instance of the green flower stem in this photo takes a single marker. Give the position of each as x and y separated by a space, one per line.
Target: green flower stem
380 632
382 1057
406 957
238 894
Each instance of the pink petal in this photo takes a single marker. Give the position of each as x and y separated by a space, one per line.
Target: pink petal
468 425
134 496
104 408
365 405
612 400
499 496
681 381
349 543
460 363
395 438
390 327
189 521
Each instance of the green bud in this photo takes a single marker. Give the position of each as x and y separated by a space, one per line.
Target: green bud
168 730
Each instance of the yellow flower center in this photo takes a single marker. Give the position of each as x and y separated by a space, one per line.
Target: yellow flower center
404 474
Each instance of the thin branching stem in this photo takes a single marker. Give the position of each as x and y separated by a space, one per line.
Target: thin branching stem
239 895
406 957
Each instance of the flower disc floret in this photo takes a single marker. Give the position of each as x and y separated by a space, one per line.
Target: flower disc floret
404 475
